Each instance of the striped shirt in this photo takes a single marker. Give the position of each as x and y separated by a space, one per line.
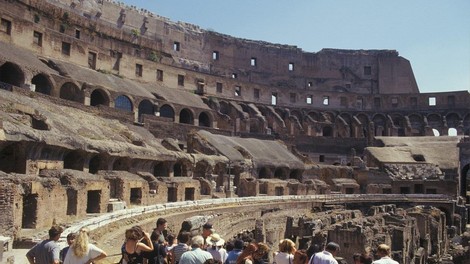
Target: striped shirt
178 250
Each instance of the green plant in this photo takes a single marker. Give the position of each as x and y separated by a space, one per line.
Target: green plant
154 56
135 32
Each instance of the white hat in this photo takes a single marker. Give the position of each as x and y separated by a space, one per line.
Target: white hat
215 240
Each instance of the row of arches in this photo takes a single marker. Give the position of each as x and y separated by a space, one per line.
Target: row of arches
12 74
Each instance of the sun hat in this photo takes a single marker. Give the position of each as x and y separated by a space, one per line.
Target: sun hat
215 240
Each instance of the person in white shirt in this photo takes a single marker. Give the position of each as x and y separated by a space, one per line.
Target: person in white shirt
82 252
327 256
383 251
286 252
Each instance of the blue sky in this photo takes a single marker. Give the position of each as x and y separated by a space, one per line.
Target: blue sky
433 34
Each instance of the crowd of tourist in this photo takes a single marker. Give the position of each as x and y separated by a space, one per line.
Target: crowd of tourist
159 247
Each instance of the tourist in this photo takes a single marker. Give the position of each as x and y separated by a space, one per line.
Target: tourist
327 256
48 251
235 252
215 246
253 254
172 242
259 257
70 238
178 250
82 252
161 227
134 245
158 254
384 252
300 257
207 230
196 255
286 252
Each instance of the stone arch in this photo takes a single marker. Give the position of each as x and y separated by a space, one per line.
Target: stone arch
180 168
255 125
145 107
42 83
122 164
453 120
70 91
74 160
327 131
298 114
296 174
167 111
281 173
315 116
202 168
161 169
380 124
186 116
225 107
123 102
417 124
12 74
264 173
400 123
435 122
13 159
328 117
96 163
347 127
364 119
204 119
99 97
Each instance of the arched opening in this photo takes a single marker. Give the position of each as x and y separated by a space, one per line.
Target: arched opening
186 117
380 125
13 159
327 131
123 102
95 164
280 173
435 121
255 126
146 107
204 120
399 122
180 169
122 164
42 83
202 169
296 174
167 111
99 97
161 170
71 92
263 173
12 74
417 125
74 160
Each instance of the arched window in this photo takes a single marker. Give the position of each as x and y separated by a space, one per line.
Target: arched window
186 117
71 92
204 120
11 73
123 102
167 111
99 97
43 85
145 107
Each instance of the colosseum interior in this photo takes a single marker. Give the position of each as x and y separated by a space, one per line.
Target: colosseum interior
114 113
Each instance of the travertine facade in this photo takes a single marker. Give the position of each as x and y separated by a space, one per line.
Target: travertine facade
106 107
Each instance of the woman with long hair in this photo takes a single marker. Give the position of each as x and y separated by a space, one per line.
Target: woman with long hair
137 241
83 252
246 257
286 252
